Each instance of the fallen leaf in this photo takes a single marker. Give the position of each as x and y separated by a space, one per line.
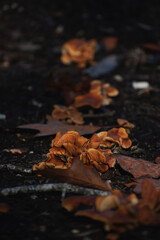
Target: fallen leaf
112 236
138 167
137 184
77 174
150 195
152 46
4 208
110 43
104 66
121 211
73 202
114 214
53 126
157 160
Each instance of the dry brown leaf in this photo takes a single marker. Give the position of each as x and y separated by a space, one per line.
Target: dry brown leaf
110 43
124 213
137 184
138 167
150 195
112 236
147 216
73 202
4 208
121 211
157 160
77 174
152 46
53 126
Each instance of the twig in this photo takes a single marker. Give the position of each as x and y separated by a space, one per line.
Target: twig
15 168
88 232
106 114
47 187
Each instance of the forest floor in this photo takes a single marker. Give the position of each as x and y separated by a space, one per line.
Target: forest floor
30 48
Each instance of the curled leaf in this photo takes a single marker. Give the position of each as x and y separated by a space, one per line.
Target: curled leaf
73 202
53 126
138 167
77 174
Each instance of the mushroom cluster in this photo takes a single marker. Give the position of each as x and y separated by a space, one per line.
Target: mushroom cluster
78 51
98 95
93 152
70 113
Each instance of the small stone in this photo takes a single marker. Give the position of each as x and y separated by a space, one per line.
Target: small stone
59 29
34 197
140 85
2 116
118 78
75 231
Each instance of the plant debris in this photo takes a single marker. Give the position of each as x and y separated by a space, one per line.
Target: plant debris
138 167
120 211
53 126
104 66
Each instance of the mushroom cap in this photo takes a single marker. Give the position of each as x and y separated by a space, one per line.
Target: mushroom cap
90 99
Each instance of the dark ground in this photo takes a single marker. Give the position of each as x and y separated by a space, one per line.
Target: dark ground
40 216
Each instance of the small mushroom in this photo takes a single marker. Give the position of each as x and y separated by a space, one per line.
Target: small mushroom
78 51
70 113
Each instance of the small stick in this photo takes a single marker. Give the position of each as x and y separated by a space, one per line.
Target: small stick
15 168
47 187
106 114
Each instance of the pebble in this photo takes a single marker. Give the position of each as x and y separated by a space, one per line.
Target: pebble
2 116
75 231
118 78
140 85
36 103
59 29
33 197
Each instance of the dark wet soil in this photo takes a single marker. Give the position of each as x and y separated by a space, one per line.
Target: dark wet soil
32 33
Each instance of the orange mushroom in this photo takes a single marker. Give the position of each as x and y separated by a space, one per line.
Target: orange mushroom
70 113
98 95
79 51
